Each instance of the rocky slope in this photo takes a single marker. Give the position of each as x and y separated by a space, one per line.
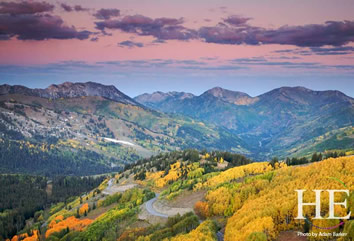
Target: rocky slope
70 90
93 117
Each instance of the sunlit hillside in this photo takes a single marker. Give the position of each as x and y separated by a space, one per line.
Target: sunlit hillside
202 196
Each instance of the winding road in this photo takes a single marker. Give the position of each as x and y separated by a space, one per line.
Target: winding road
149 205
150 208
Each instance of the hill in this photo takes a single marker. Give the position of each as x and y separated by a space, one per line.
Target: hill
93 120
70 90
231 202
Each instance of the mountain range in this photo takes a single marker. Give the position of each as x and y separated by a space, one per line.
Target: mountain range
275 123
70 90
91 117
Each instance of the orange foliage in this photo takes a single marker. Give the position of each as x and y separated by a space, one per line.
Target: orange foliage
25 237
84 208
34 237
71 222
56 220
15 238
201 209
132 234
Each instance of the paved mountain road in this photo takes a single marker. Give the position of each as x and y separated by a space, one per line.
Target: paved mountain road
151 210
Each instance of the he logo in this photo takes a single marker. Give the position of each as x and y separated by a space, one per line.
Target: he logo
317 204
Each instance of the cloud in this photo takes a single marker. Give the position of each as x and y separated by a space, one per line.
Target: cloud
214 68
94 39
333 51
60 67
285 57
165 64
68 8
37 27
345 67
236 20
107 13
233 64
160 28
312 35
156 63
342 50
235 30
130 44
25 7
261 61
224 34
79 8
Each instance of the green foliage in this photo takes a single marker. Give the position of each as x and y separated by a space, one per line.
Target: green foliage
111 199
296 161
176 188
65 187
23 197
314 158
56 208
20 197
349 229
104 228
274 161
186 224
163 161
257 236
17 157
97 230
174 226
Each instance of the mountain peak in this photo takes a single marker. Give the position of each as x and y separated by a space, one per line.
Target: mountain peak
159 96
72 90
234 97
293 89
302 95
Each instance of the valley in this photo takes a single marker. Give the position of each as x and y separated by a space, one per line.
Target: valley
98 165
94 118
176 120
276 123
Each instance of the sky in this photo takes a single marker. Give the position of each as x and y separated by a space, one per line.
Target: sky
142 46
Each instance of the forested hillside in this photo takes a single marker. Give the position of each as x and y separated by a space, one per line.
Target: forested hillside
23 198
218 195
90 123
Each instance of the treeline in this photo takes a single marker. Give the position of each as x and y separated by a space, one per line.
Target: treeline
20 197
66 187
17 157
163 161
316 157
23 197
